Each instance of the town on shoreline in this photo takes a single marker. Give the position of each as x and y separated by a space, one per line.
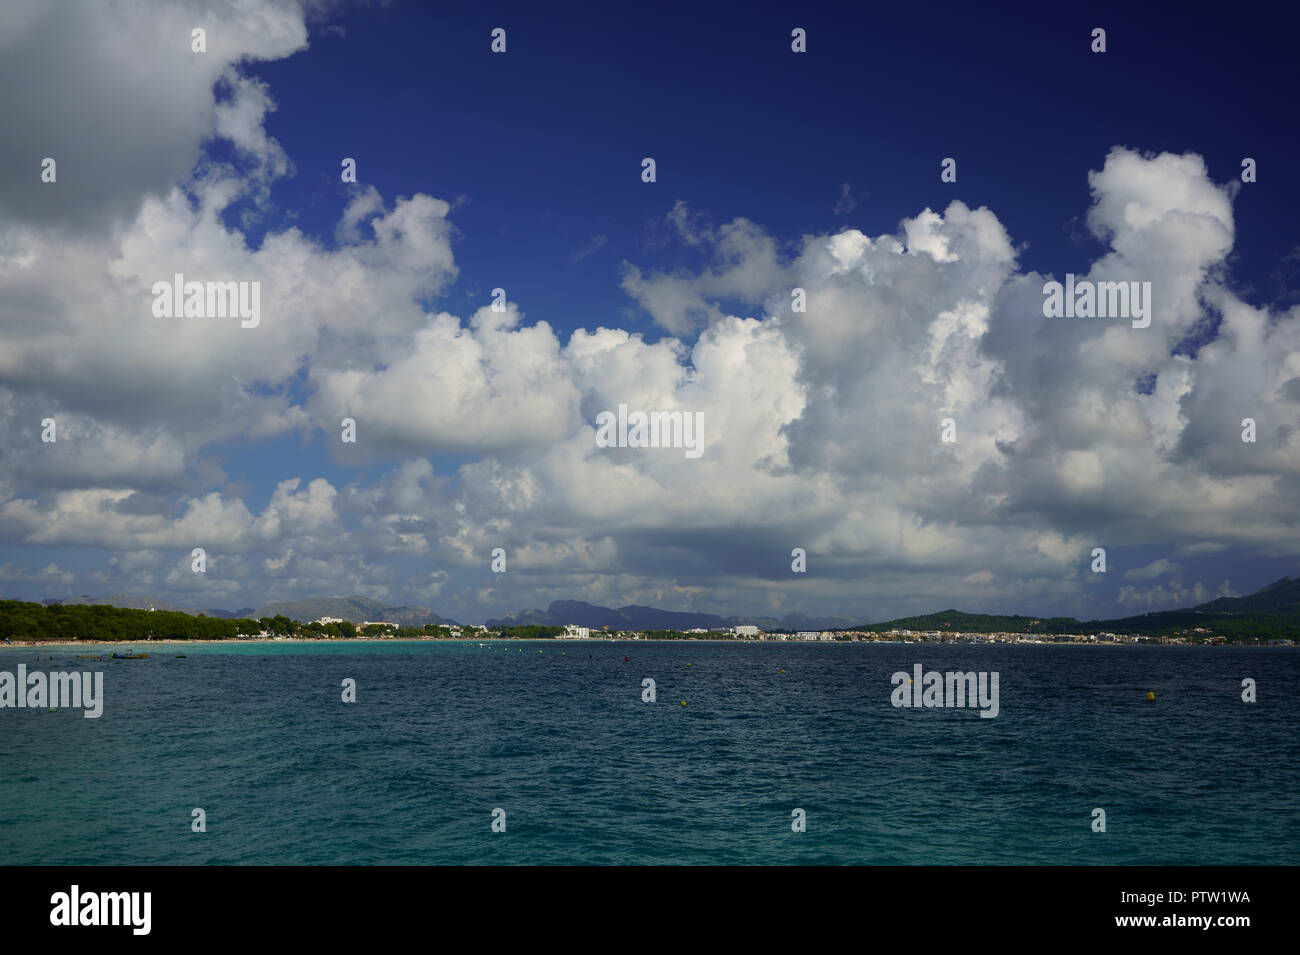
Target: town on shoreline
371 632
25 623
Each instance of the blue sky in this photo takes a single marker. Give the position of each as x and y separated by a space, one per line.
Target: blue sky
226 164
543 145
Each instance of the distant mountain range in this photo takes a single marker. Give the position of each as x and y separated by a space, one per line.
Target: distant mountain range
1273 610
352 609
632 617
558 614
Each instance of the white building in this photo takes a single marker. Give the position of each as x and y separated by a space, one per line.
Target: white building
325 620
745 630
576 633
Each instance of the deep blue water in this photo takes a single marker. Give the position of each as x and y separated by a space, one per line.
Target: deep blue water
441 734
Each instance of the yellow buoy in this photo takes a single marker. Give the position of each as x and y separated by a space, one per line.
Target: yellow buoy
1150 695
683 702
782 669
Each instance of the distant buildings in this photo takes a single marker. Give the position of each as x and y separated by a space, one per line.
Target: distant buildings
572 632
745 630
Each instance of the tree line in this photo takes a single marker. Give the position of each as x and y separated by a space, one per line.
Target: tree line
101 623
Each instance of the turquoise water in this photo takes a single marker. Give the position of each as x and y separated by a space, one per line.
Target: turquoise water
556 734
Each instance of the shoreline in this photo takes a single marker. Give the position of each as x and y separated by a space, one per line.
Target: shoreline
170 642
28 644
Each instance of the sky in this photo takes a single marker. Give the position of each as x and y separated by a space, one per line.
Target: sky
477 428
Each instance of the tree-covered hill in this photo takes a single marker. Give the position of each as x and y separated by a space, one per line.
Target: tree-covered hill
1271 613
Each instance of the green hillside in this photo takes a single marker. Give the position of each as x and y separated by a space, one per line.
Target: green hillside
1271 613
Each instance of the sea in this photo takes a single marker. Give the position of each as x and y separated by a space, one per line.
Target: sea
548 752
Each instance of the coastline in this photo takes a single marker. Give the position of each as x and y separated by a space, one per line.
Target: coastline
28 644
183 643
